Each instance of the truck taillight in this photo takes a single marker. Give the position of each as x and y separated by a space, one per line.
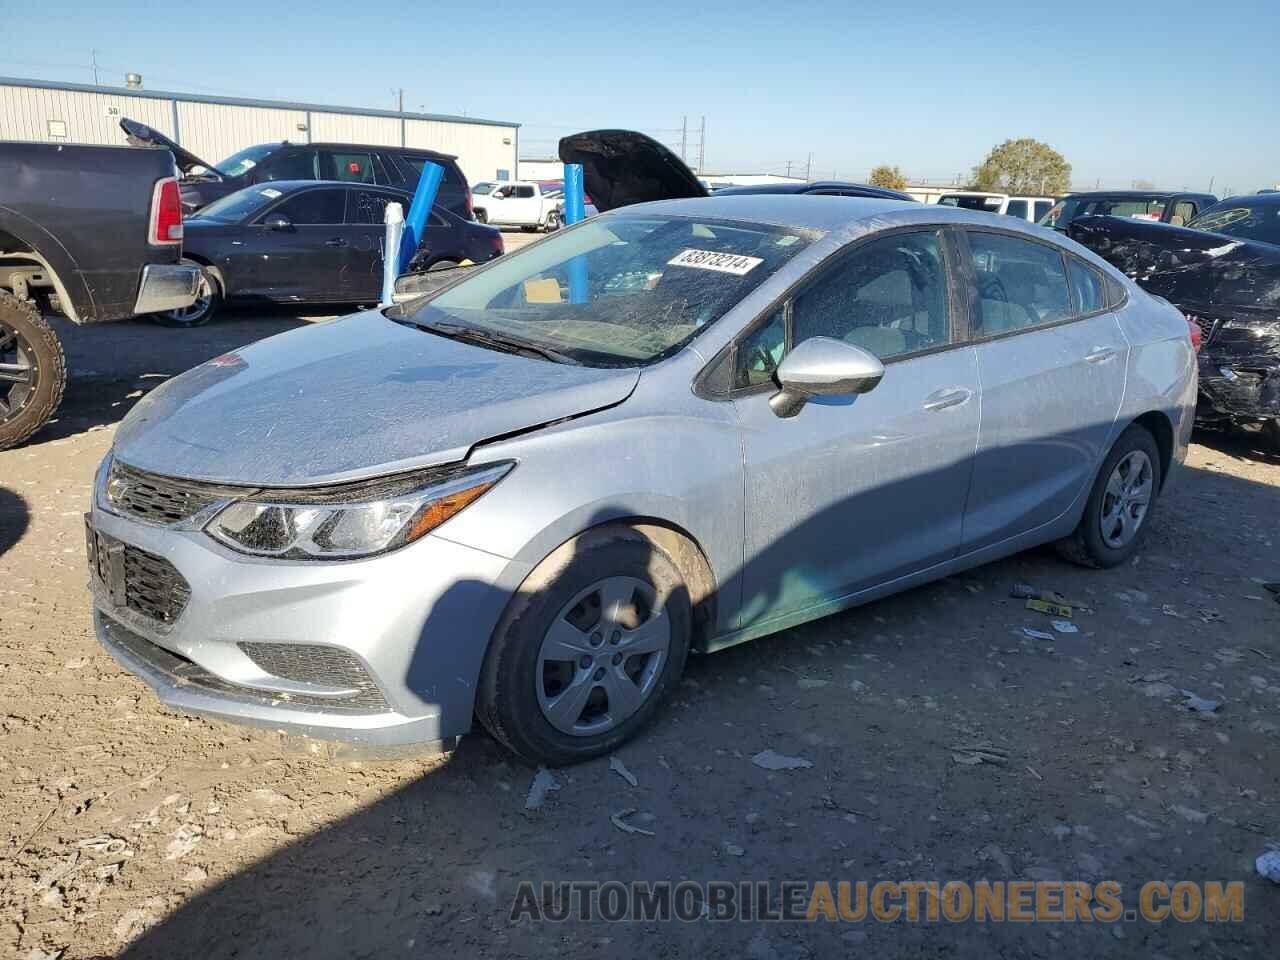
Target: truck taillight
166 213
1194 331
471 212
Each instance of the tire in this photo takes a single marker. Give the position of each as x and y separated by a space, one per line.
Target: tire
481 216
1104 538
553 222
208 299
33 370
523 685
1271 433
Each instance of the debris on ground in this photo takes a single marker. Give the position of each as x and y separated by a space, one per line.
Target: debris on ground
1210 615
1064 626
1047 607
618 767
544 782
1200 704
1169 611
733 850
1268 865
1031 634
1190 814
771 760
971 755
619 820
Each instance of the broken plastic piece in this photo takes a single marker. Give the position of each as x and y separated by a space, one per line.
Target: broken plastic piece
1036 634
618 767
770 760
1268 865
1199 704
619 820
1049 607
1064 626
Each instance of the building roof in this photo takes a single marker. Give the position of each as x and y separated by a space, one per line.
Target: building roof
243 102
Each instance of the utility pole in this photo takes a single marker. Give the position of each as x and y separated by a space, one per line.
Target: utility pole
93 65
684 136
702 144
1210 190
788 169
808 167
400 99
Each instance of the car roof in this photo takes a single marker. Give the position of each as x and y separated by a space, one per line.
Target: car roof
290 186
809 187
824 213
1133 194
412 151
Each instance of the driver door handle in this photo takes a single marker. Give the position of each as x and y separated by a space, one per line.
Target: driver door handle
1101 354
942 399
335 242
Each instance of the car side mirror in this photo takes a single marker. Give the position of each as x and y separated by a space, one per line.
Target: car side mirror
823 367
278 221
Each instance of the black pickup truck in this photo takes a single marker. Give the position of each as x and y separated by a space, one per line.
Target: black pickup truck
92 232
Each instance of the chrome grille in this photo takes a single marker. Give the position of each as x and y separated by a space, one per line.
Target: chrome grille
321 665
156 499
134 578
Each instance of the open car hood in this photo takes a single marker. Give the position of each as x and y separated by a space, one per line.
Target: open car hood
622 167
350 399
140 135
1189 268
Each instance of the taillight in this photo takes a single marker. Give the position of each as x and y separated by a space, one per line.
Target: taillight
1197 335
471 213
166 213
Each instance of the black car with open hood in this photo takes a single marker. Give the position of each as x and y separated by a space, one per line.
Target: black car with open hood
1223 272
396 167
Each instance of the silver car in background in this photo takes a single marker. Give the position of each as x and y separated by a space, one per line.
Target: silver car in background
672 428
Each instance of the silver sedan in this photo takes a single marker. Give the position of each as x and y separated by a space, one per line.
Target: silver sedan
528 497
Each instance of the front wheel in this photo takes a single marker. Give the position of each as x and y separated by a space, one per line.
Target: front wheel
553 222
481 216
1271 433
33 370
208 298
1119 508
596 638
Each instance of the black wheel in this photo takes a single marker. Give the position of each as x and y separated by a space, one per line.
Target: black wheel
481 216
594 641
1120 504
33 370
208 298
1271 433
553 222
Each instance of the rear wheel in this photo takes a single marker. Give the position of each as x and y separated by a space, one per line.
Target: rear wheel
481 216
33 370
1271 433
553 221
596 638
1119 507
208 298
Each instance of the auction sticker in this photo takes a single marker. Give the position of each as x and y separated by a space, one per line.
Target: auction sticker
733 263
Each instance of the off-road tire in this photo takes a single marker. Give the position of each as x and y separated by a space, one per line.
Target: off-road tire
1085 546
507 704
50 365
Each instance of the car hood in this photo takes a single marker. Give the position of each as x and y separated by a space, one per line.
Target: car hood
1190 268
622 167
140 135
350 399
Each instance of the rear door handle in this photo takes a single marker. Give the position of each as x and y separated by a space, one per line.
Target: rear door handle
942 399
1101 354
335 242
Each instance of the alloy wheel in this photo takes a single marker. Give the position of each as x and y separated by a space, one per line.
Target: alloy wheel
602 657
18 373
199 307
1126 499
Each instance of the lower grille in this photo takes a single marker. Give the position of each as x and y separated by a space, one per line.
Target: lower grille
134 578
183 672
324 666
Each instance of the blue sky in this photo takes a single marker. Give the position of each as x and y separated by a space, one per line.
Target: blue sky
1174 93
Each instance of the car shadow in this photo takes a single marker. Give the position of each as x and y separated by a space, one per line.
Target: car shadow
15 518
432 869
1241 444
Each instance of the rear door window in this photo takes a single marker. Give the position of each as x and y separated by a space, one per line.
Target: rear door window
1017 208
369 206
524 193
355 167
1042 207
314 207
291 165
1021 284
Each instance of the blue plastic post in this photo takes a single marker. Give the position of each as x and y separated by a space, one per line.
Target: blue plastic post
575 212
416 219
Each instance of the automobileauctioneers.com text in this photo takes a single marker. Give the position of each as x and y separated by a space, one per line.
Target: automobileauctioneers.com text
885 901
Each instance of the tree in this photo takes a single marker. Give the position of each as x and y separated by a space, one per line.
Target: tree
1143 185
1024 166
890 177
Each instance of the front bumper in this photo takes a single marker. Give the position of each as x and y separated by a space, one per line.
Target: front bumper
167 286
416 621
1236 391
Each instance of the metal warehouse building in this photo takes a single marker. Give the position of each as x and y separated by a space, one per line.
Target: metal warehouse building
213 128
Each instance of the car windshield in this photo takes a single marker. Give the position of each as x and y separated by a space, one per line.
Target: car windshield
237 206
616 291
970 203
1247 221
244 161
483 189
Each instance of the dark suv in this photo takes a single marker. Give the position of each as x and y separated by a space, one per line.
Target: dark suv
398 167
1154 205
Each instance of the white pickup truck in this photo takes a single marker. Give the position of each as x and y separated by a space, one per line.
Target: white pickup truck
1030 209
519 203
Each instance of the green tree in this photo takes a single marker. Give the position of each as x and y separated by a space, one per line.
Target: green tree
1024 166
890 177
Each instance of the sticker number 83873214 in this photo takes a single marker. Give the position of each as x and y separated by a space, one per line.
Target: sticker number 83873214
712 260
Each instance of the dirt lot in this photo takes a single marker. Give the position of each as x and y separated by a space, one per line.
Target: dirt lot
128 829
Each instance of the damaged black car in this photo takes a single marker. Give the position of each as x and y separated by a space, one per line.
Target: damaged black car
1223 271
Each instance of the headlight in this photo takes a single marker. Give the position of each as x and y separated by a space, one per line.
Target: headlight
351 521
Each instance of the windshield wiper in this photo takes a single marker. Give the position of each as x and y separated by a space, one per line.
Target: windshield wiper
497 341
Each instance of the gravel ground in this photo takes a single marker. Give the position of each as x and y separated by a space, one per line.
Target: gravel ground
131 830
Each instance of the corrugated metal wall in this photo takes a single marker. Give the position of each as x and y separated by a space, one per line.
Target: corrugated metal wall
214 131
29 113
